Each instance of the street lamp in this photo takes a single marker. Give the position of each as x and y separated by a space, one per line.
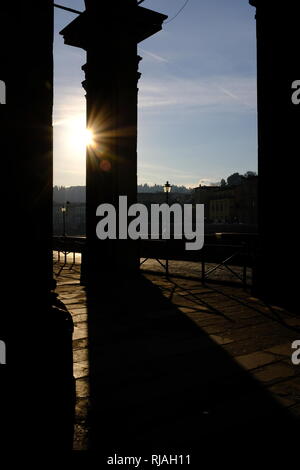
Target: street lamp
167 190
64 211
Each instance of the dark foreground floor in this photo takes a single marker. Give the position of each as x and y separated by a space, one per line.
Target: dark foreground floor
171 365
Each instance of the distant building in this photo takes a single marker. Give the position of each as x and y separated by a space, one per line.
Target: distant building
229 203
222 210
246 197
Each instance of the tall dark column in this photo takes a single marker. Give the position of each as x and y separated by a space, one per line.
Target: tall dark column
26 61
278 148
35 377
110 32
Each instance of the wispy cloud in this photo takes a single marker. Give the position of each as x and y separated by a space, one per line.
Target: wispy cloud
241 97
222 93
152 167
207 182
152 173
69 104
155 57
72 119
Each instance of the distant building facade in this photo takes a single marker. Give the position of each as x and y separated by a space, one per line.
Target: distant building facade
222 210
229 204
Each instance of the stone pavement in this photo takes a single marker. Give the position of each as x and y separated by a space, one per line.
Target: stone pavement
211 357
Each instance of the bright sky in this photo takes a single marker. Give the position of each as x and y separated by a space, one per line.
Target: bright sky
197 98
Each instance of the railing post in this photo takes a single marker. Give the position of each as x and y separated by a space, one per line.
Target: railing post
202 266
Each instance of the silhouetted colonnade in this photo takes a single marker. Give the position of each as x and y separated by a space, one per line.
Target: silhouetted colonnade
110 33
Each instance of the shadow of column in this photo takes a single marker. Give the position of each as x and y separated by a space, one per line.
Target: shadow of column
158 381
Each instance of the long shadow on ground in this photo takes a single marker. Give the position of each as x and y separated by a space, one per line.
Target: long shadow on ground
157 381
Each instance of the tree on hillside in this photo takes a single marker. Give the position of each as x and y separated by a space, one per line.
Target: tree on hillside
250 174
235 179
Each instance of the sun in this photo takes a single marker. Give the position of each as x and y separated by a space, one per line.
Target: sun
79 136
89 137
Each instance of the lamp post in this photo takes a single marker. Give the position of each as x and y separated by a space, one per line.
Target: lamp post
167 190
64 211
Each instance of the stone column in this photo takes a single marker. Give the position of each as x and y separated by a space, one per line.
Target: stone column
26 141
38 401
110 33
278 149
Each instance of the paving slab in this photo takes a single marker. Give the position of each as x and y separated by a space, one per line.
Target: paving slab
255 360
273 372
282 350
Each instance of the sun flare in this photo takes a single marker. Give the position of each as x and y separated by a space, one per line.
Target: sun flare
89 137
79 136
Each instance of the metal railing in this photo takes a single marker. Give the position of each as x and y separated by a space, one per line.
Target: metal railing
221 251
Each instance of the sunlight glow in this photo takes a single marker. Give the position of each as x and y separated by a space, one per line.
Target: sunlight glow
79 136
89 137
